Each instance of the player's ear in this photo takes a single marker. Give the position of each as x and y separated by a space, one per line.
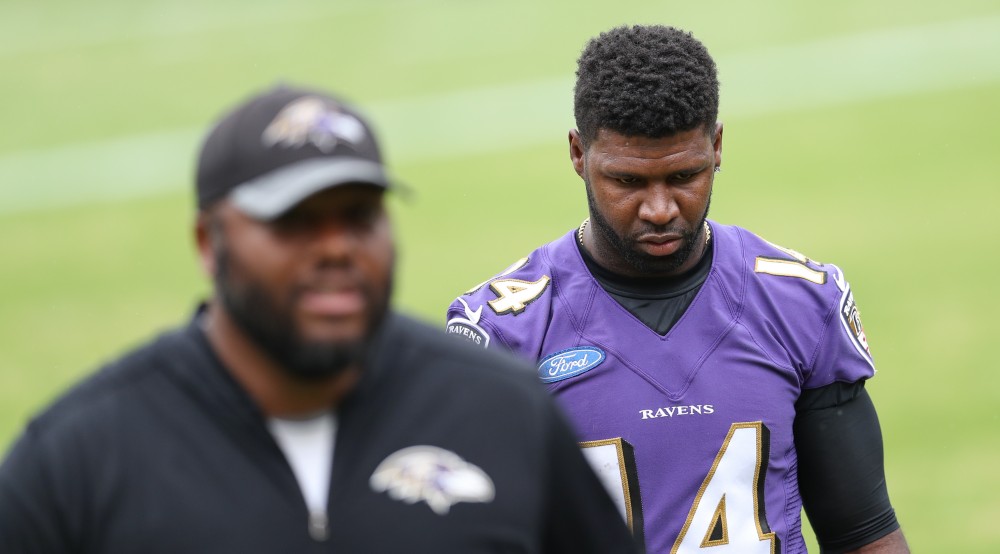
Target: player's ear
577 151
204 240
717 144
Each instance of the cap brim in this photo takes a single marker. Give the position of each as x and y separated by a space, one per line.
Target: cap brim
274 193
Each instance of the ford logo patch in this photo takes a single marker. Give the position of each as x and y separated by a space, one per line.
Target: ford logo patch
569 363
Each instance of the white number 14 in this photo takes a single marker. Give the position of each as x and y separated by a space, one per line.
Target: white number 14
727 513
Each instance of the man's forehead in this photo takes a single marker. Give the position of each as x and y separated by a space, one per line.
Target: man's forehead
613 147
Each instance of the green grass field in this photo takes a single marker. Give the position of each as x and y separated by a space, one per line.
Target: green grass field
860 133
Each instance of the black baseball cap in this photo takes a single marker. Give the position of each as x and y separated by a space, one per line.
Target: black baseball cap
282 146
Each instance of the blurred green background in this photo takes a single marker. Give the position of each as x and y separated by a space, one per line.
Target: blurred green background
863 133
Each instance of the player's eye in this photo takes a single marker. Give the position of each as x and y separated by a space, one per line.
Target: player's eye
361 216
291 221
628 180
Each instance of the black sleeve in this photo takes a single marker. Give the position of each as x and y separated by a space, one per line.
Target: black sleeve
841 472
29 510
581 517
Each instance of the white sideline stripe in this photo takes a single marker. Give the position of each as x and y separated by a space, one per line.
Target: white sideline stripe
878 64
19 33
846 69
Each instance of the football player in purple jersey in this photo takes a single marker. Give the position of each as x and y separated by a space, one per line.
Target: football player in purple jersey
716 380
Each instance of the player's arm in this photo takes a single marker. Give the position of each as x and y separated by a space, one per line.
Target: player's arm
841 471
29 514
893 543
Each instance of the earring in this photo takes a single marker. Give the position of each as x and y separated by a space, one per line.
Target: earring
718 169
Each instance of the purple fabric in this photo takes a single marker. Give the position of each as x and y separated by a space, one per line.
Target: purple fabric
742 353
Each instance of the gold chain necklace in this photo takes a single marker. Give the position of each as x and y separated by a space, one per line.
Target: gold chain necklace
579 232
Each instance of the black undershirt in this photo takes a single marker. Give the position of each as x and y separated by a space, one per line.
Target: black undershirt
844 495
656 301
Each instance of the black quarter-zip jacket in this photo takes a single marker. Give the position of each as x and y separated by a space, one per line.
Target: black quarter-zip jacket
163 452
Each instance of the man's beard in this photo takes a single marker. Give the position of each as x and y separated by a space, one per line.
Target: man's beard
271 326
627 247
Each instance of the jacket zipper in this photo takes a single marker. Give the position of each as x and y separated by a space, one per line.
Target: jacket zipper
319 526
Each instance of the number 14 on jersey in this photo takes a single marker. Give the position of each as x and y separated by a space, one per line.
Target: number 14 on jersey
728 512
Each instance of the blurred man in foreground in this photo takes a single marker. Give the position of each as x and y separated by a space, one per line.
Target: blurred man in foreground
716 379
295 412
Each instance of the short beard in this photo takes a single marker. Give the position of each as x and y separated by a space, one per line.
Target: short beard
627 247
272 329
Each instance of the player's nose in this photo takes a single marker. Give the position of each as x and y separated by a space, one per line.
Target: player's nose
332 239
658 206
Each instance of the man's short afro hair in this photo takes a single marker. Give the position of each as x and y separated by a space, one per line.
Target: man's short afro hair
652 81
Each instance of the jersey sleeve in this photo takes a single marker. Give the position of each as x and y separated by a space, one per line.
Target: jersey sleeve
467 323
843 353
805 314
509 311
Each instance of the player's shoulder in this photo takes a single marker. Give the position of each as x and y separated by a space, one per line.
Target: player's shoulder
806 296
107 394
776 270
532 271
515 301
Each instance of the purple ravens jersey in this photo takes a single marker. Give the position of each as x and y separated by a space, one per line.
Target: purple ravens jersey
691 432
